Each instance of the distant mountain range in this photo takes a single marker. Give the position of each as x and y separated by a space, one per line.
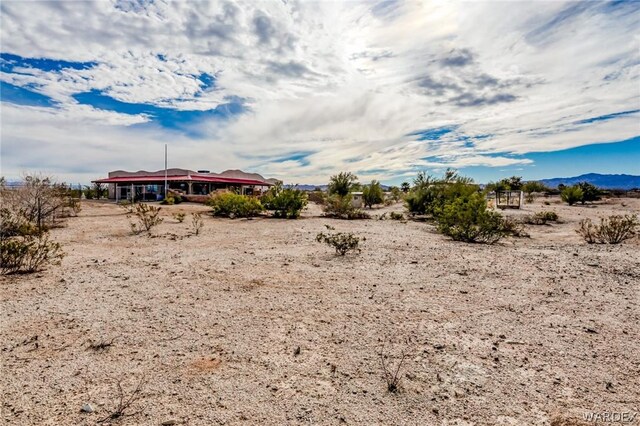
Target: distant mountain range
625 182
601 181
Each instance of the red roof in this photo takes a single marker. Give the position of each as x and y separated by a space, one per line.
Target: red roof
183 178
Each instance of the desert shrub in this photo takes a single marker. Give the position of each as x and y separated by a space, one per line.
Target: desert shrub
612 230
196 223
341 207
466 218
372 194
392 375
28 253
396 216
541 218
342 184
233 205
147 217
285 202
169 201
514 227
590 192
342 242
179 217
571 194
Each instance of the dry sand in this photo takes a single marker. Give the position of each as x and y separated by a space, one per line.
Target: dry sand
532 331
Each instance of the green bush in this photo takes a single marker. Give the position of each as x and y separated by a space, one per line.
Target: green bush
396 216
168 201
466 218
430 198
590 192
179 217
341 242
229 204
341 207
571 194
372 194
612 230
285 202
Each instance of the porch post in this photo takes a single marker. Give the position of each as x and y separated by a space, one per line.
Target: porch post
117 195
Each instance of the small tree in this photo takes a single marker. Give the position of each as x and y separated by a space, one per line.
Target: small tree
571 194
342 183
405 187
372 194
590 192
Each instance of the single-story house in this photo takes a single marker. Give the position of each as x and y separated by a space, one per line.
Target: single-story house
149 186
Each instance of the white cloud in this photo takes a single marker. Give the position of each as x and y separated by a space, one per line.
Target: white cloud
344 82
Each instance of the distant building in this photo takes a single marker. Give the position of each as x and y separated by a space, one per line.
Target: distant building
357 199
149 186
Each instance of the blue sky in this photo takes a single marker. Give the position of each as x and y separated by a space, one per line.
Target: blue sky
302 90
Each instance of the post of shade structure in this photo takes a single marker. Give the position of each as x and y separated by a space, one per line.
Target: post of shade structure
165 171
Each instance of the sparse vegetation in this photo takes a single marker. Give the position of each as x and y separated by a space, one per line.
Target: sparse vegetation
124 406
229 204
196 223
179 217
571 194
28 253
396 216
147 217
392 375
514 227
342 242
27 213
612 230
285 202
541 218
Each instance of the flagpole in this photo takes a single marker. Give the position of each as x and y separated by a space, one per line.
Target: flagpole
165 171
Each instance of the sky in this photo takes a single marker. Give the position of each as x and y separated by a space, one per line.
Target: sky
300 90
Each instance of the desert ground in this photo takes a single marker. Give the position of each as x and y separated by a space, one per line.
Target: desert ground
254 322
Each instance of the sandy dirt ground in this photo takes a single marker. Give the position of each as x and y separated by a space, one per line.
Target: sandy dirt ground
254 322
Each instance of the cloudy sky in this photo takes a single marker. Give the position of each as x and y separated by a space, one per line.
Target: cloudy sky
301 90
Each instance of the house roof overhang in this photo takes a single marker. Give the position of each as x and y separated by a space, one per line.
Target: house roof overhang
195 178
